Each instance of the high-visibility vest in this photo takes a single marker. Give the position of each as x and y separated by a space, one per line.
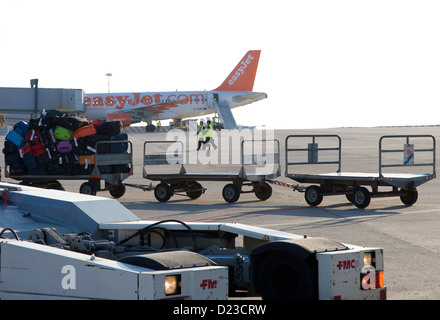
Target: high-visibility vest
200 133
209 133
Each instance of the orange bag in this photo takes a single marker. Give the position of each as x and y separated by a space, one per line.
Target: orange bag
86 160
84 131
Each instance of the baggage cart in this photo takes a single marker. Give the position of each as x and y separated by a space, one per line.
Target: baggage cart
352 184
188 184
111 168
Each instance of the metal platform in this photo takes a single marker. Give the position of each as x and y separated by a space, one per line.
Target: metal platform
188 183
113 180
351 183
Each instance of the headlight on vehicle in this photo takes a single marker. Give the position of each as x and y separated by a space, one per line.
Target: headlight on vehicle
172 285
368 259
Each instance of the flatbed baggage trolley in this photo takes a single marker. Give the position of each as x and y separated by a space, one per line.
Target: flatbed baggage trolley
188 183
352 183
112 168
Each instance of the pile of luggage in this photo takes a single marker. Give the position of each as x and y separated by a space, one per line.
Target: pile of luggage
58 144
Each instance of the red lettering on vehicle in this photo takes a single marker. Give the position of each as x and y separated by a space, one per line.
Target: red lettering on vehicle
346 264
208 283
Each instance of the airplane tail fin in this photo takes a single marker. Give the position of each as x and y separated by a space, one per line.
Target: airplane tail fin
243 75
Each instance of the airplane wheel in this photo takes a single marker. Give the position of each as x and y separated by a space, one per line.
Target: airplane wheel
163 192
231 193
150 128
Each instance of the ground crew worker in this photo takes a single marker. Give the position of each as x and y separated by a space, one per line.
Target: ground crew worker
158 125
201 134
209 138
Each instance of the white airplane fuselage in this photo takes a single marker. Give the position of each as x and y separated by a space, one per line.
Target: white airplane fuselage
235 91
191 103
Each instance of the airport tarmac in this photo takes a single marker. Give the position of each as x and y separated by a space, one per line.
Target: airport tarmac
409 235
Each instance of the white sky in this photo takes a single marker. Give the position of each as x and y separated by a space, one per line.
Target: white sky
323 64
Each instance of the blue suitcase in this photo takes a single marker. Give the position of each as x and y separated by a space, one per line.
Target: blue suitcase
21 127
15 138
29 161
119 147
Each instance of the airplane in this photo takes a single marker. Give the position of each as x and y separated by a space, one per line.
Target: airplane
132 107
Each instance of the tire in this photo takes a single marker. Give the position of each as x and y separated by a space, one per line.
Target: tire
361 197
263 193
150 128
283 276
55 184
231 193
313 195
197 193
117 191
163 192
87 188
410 197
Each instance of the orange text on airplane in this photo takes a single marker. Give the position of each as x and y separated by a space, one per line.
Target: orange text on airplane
243 65
120 101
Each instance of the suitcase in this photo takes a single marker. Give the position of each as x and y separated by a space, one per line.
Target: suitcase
25 149
44 159
64 146
21 127
70 158
12 158
84 131
16 138
32 136
72 123
38 149
36 124
38 171
86 160
91 141
29 161
110 128
120 168
119 147
71 169
9 148
17 169
54 169
97 123
62 133
52 114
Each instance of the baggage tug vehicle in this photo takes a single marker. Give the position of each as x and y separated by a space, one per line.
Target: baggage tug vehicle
62 245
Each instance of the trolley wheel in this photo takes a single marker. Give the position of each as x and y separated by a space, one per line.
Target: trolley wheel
163 192
87 188
349 197
55 184
410 197
197 192
231 193
285 277
117 191
313 195
263 192
361 197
